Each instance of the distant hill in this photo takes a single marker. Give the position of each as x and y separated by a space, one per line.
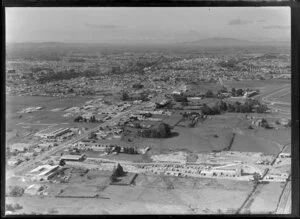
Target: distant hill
220 42
230 42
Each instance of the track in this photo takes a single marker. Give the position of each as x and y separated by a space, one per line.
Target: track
266 98
282 206
258 187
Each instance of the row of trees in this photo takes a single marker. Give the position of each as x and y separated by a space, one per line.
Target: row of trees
79 118
126 150
65 75
126 97
249 106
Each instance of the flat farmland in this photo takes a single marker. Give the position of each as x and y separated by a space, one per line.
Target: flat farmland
216 133
266 200
286 98
150 195
204 137
16 103
262 85
19 125
203 87
246 143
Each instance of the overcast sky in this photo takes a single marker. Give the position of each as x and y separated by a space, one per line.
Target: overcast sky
175 24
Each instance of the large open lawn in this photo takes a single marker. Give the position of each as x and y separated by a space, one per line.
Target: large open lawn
150 195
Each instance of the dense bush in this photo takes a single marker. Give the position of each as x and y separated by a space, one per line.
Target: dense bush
161 131
248 107
16 191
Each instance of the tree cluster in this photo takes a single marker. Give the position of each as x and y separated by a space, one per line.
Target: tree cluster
137 86
126 97
79 118
249 106
126 150
11 207
180 98
161 131
16 191
65 75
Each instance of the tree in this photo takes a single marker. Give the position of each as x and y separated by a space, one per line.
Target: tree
221 105
164 130
16 191
215 110
62 162
289 124
261 108
119 170
239 92
78 119
92 135
230 108
209 93
233 91
256 178
125 96
184 104
180 98
206 110
265 124
93 119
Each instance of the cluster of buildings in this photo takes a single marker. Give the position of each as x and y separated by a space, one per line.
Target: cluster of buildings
98 108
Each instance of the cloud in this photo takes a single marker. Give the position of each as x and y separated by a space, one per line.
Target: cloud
276 27
261 20
102 26
238 22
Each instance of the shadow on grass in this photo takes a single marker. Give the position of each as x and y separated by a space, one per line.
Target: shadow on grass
173 134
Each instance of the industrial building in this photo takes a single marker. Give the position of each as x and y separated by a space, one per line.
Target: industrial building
43 173
19 147
51 133
72 157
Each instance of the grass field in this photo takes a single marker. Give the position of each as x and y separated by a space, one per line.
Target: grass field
36 121
262 85
204 86
267 199
150 195
286 98
215 133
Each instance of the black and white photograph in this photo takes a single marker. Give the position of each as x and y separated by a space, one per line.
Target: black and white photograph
148 111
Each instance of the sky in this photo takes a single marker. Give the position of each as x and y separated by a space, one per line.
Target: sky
145 25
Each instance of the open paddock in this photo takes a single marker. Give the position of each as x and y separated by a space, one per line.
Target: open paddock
262 85
202 87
